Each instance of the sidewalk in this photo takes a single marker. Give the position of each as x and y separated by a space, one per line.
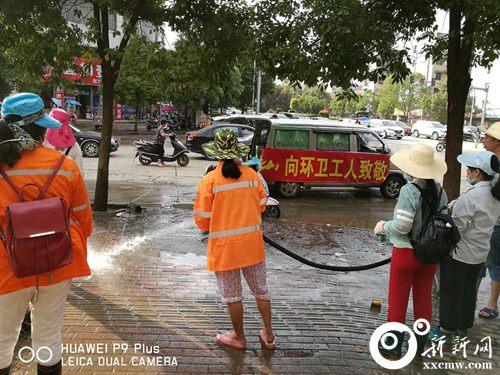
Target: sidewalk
150 289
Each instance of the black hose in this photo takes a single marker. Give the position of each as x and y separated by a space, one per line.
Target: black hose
324 266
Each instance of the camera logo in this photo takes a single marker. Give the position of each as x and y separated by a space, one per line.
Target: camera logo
43 355
382 333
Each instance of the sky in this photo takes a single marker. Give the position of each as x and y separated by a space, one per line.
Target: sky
480 76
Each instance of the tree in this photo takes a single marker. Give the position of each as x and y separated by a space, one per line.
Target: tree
138 81
313 100
336 42
134 12
279 99
33 37
410 90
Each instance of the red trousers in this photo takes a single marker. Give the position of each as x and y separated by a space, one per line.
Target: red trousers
408 273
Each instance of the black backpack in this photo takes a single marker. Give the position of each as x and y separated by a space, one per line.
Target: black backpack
439 235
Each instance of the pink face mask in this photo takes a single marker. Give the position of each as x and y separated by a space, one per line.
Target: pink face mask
61 137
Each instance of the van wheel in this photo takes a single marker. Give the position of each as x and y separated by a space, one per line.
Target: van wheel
288 189
435 136
392 186
415 133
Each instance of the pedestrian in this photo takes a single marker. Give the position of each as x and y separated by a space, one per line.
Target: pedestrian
24 163
421 167
229 205
63 140
161 134
475 213
491 142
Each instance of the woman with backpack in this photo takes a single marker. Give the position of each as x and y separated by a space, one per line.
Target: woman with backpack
38 257
475 213
422 168
228 205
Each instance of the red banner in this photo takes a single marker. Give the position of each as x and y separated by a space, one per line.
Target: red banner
325 166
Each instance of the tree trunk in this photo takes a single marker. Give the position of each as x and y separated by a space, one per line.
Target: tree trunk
459 81
136 126
102 183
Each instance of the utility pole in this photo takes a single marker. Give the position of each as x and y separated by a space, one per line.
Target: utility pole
472 106
259 82
486 88
253 86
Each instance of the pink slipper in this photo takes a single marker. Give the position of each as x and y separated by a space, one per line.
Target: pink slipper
224 339
267 344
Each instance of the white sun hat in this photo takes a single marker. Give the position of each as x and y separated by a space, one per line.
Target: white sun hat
420 161
493 131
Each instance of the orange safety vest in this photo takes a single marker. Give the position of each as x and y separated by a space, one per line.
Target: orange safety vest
231 211
35 167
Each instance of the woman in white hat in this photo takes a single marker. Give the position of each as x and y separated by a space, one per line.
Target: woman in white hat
422 167
475 213
491 142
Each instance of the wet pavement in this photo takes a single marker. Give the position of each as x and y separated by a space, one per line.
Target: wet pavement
153 306
150 288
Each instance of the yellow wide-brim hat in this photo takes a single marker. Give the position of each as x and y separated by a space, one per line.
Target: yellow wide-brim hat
420 161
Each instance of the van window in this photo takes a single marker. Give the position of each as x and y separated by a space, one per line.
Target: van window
291 139
333 142
367 142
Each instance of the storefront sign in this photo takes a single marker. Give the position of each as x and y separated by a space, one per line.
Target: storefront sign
323 166
91 69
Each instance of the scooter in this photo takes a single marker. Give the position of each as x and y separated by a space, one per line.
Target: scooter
148 152
272 211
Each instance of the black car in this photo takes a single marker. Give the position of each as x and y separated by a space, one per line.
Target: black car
194 140
89 142
470 133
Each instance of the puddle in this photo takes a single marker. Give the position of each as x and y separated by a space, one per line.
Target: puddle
189 259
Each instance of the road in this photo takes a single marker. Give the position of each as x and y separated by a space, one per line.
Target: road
125 170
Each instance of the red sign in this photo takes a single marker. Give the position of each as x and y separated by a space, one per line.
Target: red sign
326 166
118 111
91 68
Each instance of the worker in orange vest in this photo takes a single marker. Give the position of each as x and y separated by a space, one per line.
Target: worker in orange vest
229 204
25 162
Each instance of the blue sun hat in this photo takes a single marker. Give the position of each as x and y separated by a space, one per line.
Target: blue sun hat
481 160
30 108
253 161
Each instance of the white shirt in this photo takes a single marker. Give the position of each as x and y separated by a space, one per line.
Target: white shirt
475 213
75 153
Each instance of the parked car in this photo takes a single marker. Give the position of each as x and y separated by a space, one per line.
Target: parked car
279 115
319 153
470 133
89 142
376 128
406 128
196 139
391 130
247 119
429 129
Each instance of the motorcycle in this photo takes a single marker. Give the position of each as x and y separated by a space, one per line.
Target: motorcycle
441 145
148 152
272 211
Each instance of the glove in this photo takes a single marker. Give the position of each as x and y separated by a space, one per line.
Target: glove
379 228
